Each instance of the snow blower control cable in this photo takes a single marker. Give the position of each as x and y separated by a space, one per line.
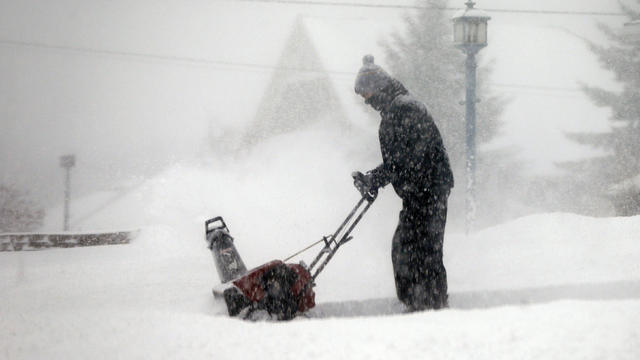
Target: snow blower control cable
333 242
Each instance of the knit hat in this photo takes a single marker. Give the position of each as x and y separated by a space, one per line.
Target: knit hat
371 78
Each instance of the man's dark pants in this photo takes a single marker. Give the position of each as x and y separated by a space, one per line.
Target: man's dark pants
420 275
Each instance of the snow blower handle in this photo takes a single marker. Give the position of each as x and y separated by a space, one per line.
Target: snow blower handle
341 236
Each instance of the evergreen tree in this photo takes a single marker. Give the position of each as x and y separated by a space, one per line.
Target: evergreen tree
424 59
17 212
621 145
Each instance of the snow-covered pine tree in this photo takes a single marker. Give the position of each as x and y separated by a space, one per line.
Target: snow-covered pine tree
18 213
621 145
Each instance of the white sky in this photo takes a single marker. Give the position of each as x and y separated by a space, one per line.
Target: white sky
126 115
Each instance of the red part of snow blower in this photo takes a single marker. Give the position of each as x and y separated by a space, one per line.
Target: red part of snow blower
284 290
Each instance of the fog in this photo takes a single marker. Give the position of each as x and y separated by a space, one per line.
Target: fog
132 88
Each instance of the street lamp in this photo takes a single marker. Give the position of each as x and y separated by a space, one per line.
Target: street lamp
67 162
470 35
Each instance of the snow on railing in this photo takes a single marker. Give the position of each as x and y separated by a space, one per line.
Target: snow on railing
38 241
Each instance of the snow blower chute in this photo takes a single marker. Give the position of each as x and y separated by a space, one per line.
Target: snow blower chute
283 289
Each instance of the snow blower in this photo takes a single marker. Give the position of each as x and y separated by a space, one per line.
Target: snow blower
283 289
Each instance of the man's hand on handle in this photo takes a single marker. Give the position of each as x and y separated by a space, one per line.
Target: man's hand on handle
364 184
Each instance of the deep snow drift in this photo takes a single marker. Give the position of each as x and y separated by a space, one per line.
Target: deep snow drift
542 286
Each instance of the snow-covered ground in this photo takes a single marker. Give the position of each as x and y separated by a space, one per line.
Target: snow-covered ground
546 286
151 299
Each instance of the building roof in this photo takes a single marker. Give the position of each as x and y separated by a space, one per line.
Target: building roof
312 83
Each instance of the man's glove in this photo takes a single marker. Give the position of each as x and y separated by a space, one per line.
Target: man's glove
364 184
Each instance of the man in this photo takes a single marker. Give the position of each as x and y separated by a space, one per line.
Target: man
415 162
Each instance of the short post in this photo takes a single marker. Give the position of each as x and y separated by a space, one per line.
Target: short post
67 162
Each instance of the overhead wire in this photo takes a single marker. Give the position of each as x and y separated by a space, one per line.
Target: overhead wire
234 66
418 7
230 65
169 58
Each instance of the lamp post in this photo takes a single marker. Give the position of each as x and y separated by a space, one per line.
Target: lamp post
67 162
470 35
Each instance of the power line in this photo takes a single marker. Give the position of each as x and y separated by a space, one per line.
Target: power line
345 4
169 58
229 65
535 87
417 7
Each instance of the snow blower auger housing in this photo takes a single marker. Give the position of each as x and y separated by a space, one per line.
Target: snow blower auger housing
284 290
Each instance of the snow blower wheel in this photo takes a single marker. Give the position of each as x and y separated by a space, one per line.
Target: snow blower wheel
279 300
235 301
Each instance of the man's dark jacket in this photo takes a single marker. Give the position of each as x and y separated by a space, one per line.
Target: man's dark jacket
414 157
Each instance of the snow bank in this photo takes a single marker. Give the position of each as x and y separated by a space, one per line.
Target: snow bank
546 249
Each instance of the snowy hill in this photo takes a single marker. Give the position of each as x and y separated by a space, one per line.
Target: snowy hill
542 286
